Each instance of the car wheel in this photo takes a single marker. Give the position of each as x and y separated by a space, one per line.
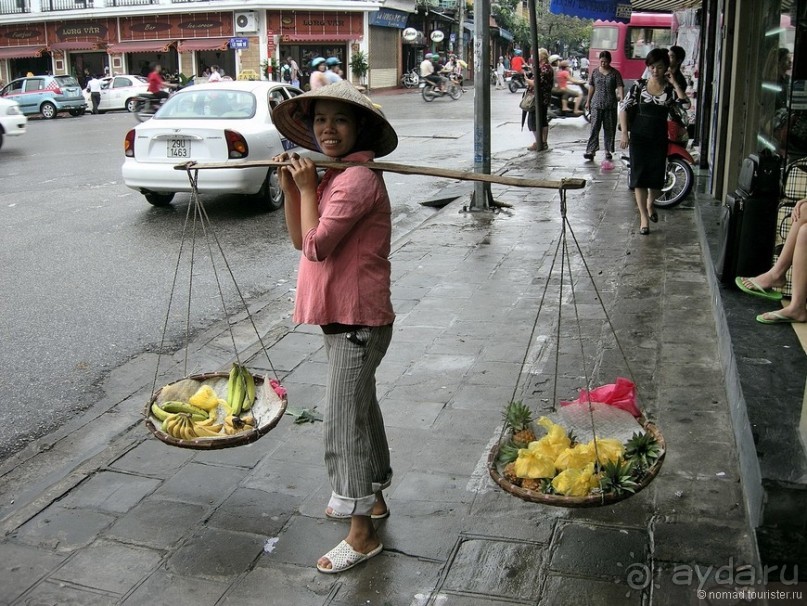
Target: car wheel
159 199
76 112
48 110
270 192
131 104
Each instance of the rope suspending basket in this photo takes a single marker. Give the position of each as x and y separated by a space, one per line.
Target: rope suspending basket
217 409
596 450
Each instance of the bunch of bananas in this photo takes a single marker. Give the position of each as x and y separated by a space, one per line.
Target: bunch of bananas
183 427
240 390
234 424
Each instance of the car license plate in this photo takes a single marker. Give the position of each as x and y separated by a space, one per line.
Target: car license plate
179 148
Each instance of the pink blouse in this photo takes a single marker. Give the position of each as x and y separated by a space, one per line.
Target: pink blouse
344 274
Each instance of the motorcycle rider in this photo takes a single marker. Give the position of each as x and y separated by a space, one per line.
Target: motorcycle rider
517 63
563 76
156 85
436 78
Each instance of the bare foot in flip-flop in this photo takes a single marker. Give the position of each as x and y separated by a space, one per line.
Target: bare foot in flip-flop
791 314
761 286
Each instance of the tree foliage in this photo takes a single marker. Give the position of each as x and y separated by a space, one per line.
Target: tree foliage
556 33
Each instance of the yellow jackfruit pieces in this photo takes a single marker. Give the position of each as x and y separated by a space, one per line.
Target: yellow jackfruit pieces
205 398
532 463
576 482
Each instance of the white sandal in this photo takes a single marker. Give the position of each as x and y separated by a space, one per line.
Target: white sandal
344 557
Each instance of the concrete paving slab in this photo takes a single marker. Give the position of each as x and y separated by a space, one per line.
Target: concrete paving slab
158 524
216 554
200 484
709 542
63 530
23 566
108 566
153 458
66 594
255 512
162 587
111 492
286 584
571 591
288 478
598 552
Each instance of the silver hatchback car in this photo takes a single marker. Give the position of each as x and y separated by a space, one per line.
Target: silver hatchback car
46 95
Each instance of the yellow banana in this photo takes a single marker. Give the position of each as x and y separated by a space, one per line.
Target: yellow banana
239 391
203 431
248 420
249 381
173 425
158 412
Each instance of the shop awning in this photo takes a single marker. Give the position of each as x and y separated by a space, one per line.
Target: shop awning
20 52
73 45
143 46
320 37
203 44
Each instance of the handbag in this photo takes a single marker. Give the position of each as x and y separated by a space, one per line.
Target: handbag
527 102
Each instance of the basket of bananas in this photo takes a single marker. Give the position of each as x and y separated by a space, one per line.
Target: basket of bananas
216 410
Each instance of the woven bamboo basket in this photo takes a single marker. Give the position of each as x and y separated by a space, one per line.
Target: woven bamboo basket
268 409
591 500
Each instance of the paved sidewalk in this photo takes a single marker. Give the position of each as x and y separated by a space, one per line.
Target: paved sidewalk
103 513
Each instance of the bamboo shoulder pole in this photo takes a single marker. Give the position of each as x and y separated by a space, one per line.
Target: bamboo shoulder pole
405 170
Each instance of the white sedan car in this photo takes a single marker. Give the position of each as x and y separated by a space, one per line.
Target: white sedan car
12 120
119 92
221 122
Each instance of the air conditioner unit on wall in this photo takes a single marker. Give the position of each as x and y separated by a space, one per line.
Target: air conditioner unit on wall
245 23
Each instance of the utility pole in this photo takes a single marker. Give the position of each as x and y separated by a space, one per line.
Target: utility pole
461 39
481 199
539 125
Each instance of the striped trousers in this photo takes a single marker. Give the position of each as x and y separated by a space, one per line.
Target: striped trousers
605 118
356 450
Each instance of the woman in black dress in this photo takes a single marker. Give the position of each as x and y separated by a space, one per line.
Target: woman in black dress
649 103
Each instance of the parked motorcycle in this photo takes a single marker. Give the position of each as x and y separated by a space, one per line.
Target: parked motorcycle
430 92
410 79
680 178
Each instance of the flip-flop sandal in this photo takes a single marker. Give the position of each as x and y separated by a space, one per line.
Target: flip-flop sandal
344 557
775 317
756 290
346 516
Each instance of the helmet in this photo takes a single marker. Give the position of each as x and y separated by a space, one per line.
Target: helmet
564 63
316 61
553 59
330 61
518 51
427 56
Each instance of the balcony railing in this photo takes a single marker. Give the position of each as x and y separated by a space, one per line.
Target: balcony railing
11 7
65 5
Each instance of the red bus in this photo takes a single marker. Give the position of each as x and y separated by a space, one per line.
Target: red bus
629 43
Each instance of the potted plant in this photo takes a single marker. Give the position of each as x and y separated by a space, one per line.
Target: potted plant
359 66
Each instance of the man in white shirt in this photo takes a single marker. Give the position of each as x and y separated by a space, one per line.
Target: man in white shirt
215 75
94 88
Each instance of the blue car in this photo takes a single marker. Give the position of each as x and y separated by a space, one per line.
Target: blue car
46 95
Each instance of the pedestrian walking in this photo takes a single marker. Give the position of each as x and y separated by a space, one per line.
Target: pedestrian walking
605 90
645 133
343 227
94 88
500 74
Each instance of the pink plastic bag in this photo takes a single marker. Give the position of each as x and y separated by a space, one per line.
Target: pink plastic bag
621 394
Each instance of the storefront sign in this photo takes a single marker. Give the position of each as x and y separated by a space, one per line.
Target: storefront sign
606 10
23 34
150 26
437 36
316 25
385 17
239 43
194 25
410 34
205 25
81 30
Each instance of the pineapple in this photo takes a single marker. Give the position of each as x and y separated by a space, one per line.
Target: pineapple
507 453
518 418
643 450
530 484
617 477
510 474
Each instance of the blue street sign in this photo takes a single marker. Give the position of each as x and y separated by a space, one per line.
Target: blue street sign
239 43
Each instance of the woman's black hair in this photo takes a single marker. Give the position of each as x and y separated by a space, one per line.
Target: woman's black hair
679 52
656 55
605 55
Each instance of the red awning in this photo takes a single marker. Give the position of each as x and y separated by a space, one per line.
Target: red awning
143 46
202 44
320 37
73 45
19 52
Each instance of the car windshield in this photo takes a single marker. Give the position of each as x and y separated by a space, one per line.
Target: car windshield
66 80
194 104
